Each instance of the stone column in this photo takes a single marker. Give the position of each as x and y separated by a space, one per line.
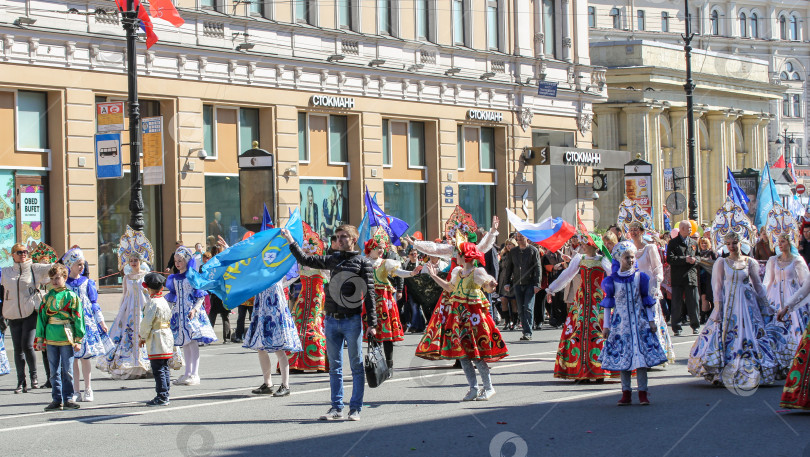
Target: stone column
762 146
677 120
608 121
288 186
750 126
567 43
654 157
714 175
638 129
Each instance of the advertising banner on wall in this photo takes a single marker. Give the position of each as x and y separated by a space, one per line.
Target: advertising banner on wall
638 183
152 137
324 205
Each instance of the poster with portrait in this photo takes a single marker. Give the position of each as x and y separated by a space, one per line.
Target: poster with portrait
324 205
637 188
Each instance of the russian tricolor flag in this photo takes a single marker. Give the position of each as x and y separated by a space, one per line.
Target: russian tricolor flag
550 233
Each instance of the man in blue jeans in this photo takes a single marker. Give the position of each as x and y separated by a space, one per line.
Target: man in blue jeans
350 289
522 273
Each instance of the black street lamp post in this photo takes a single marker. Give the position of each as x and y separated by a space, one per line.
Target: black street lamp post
789 143
690 116
131 25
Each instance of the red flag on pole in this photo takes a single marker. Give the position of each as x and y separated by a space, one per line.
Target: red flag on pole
584 232
146 23
163 9
780 163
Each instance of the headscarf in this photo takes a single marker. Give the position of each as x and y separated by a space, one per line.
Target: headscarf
72 256
470 252
618 251
184 252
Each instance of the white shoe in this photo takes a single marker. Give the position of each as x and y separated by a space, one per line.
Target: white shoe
193 381
181 381
484 394
88 395
75 397
471 395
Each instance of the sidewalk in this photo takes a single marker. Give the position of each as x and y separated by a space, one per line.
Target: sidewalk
110 300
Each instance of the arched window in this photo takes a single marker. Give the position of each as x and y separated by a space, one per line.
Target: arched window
796 77
794 28
782 28
743 25
754 25
715 23
617 18
790 73
784 76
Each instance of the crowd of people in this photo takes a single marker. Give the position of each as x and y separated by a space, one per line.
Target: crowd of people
619 298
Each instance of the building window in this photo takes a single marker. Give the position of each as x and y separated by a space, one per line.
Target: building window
743 25
549 29
665 21
32 120
302 11
479 198
324 204
794 28
384 16
592 16
492 25
386 143
416 144
782 27
338 139
797 105
616 15
641 21
248 128
786 105
209 131
406 201
459 32
211 4
422 20
487 159
715 23
256 7
345 14
222 209
303 138
754 25
460 147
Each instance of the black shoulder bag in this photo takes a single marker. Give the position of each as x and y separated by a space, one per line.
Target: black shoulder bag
376 366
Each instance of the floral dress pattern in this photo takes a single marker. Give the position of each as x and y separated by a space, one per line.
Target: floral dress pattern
126 360
96 342
463 328
389 325
737 350
781 282
631 343
307 311
648 260
4 366
271 326
184 298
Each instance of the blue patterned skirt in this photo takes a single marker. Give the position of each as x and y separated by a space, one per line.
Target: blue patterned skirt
272 327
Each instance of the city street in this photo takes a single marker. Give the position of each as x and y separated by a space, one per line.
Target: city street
416 413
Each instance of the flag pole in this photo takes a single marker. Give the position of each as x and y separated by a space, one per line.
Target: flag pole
131 24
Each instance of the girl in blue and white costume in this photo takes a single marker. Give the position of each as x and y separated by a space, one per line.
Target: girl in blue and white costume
4 366
629 329
190 324
96 342
272 329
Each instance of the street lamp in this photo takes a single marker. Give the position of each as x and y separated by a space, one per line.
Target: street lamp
790 143
131 24
689 87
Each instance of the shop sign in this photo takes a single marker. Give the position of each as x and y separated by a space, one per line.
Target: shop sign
582 158
152 137
108 156
31 205
479 115
329 101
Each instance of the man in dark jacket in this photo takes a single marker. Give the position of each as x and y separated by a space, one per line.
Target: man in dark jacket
523 274
350 291
681 252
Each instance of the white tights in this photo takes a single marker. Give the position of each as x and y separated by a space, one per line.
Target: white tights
191 352
267 368
86 368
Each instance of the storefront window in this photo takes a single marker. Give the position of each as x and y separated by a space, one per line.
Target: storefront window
24 223
479 201
222 209
324 205
406 201
8 219
114 216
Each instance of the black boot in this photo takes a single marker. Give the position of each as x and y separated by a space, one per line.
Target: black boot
34 381
21 387
390 363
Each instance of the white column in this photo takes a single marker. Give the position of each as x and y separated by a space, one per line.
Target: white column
523 27
567 43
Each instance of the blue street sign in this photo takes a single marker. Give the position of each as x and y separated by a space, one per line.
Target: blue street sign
108 156
547 89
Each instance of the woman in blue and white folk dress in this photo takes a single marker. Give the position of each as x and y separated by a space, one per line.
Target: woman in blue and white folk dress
96 342
272 329
5 368
190 324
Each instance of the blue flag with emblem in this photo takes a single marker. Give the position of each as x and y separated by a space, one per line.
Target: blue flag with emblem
766 197
250 266
376 217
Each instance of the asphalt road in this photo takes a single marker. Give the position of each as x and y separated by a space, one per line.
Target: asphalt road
418 413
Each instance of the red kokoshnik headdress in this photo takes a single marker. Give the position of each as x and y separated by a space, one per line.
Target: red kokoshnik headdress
470 252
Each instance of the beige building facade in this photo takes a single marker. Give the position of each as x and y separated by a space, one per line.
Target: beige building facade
428 104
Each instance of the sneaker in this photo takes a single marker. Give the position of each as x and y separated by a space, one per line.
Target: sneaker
157 402
695 331
181 381
526 338
677 333
284 391
70 404
332 414
263 389
471 395
193 380
485 394
354 415
54 406
75 397
88 395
